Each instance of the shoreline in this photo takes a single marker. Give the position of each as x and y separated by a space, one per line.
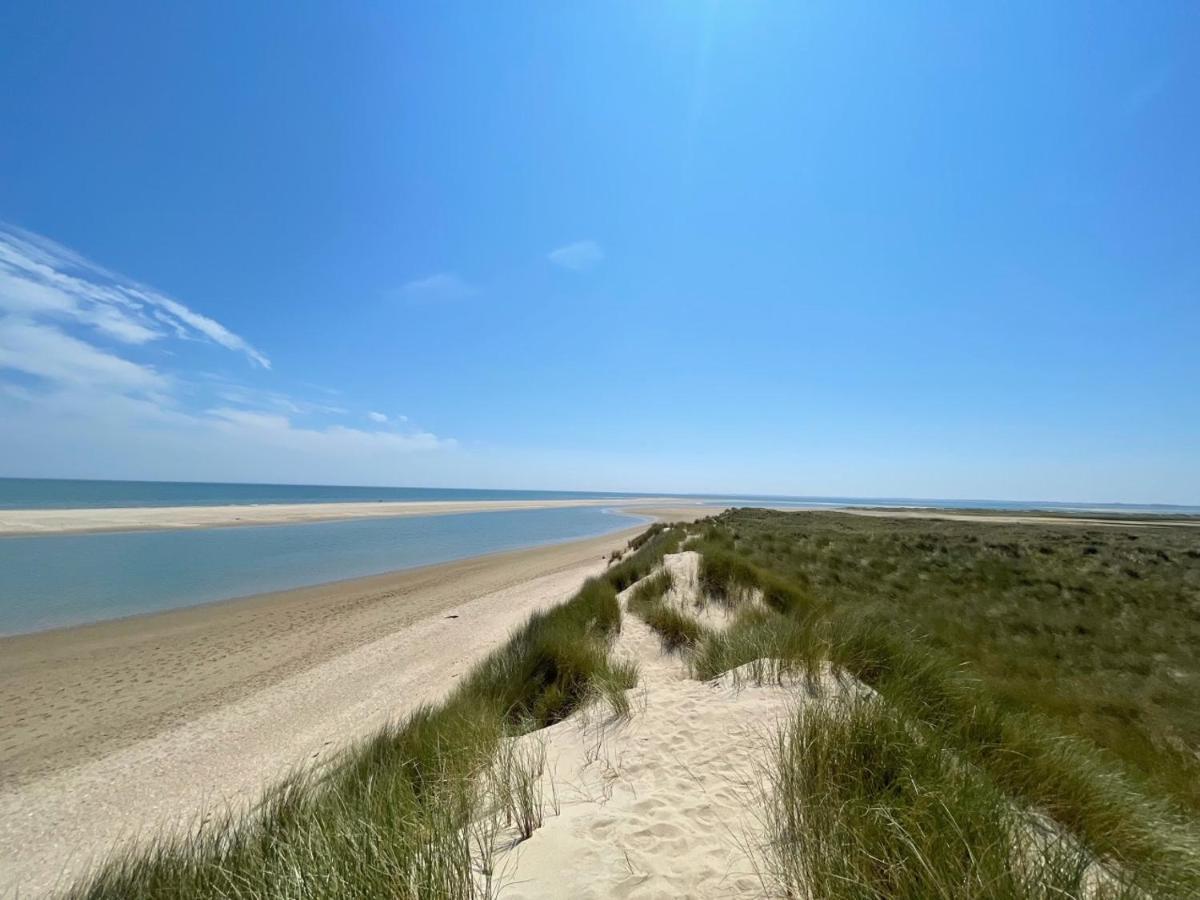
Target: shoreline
320 619
349 583
87 520
124 728
119 729
34 522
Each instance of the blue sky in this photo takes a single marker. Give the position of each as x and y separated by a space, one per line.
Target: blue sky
944 250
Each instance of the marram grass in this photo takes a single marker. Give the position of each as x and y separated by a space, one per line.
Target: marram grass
1147 844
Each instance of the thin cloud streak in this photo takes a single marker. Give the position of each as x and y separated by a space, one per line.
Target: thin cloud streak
41 278
578 257
439 286
45 352
67 329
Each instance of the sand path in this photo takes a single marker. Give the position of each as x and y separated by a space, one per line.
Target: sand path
662 803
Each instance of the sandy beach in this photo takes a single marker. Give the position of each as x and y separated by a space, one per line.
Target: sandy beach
142 518
116 729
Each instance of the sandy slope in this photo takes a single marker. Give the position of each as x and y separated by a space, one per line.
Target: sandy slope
663 803
117 729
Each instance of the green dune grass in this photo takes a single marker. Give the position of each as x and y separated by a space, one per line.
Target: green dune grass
1006 647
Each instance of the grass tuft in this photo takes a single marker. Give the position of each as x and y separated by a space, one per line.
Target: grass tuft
676 629
859 805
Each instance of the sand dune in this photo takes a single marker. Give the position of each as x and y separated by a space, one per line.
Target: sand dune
661 803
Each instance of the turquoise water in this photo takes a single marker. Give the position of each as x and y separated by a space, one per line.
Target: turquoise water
57 580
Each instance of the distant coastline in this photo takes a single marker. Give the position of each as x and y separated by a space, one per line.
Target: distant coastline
72 493
48 521
61 580
82 493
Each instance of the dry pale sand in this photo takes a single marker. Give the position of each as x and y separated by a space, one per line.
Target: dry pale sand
665 802
120 729
143 518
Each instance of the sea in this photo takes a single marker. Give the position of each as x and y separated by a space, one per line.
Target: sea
50 581
70 493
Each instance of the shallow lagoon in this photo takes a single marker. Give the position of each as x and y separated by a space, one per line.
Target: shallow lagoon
57 580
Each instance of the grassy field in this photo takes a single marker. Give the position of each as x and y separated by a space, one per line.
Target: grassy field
1056 661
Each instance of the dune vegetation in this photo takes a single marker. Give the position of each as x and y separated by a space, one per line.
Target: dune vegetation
1094 626
1051 664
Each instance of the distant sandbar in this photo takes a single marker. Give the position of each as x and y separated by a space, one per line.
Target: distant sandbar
147 518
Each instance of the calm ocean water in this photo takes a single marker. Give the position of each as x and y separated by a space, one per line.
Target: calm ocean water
65 493
70 579
69 493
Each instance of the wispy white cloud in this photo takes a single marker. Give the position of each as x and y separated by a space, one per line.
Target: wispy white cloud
439 286
578 257
235 394
42 279
281 432
45 352
72 365
249 418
